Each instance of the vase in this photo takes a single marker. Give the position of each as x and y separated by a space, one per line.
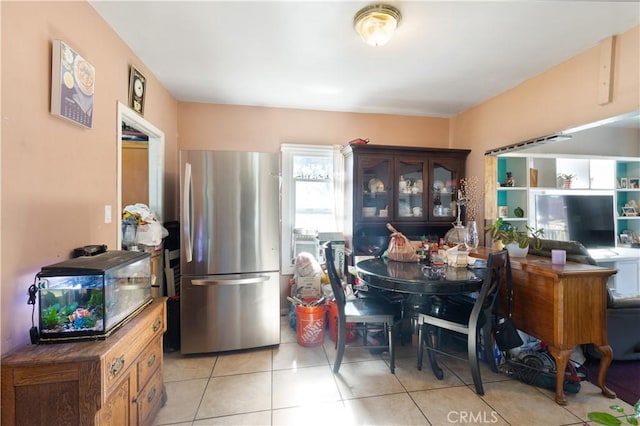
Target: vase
471 235
515 250
455 235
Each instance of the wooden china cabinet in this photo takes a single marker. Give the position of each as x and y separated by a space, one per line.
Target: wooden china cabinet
412 188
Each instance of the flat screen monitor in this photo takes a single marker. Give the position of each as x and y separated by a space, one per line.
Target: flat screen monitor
588 219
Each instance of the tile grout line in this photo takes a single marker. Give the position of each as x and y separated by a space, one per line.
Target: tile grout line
204 391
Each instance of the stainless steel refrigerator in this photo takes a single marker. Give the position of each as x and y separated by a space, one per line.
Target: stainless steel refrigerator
229 259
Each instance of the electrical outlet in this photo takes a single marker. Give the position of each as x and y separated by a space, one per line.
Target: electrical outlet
107 213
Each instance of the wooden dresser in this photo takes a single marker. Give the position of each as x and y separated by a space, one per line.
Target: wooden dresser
562 305
117 381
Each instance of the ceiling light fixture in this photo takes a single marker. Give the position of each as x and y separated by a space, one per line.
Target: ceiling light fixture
376 24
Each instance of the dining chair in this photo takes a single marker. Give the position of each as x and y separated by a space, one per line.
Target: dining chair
366 315
473 318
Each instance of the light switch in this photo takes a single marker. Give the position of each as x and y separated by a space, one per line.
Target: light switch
107 213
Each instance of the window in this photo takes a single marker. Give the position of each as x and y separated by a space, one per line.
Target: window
311 195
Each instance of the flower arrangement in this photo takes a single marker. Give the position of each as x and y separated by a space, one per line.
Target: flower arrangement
471 194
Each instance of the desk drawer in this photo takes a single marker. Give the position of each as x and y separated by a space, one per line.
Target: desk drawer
149 362
150 399
125 353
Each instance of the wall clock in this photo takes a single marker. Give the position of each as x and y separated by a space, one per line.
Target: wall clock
137 89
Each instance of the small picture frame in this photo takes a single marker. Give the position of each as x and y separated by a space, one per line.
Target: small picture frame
629 211
625 239
623 183
137 90
634 183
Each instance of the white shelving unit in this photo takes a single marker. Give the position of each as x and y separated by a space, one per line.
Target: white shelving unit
537 174
514 197
627 194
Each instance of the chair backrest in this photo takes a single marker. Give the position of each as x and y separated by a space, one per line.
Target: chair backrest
498 272
334 278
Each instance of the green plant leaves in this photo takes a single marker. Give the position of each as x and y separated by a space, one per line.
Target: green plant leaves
604 418
611 420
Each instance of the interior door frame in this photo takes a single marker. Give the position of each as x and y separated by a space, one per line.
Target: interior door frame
156 162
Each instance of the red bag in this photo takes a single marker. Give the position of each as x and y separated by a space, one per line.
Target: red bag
400 248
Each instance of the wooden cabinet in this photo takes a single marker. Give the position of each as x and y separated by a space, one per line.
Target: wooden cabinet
412 188
117 381
562 305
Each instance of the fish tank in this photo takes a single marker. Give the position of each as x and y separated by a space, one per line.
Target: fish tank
89 297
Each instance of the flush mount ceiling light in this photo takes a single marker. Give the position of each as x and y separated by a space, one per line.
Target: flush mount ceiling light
376 24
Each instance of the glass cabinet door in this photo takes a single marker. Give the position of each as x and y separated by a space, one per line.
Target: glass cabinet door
374 178
445 176
410 174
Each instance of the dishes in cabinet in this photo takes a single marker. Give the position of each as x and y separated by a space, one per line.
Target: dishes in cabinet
376 185
368 211
404 210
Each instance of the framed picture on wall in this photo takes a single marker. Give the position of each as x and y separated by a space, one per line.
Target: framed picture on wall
623 182
137 89
73 81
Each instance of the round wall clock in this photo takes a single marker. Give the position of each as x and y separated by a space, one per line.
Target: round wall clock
138 87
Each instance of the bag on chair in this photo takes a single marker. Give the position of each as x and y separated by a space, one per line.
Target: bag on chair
507 336
506 332
400 248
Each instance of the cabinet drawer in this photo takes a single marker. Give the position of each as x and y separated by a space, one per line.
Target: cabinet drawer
126 352
149 362
150 399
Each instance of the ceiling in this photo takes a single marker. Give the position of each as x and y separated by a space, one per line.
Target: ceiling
446 56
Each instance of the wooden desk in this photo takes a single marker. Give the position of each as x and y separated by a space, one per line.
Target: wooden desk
563 305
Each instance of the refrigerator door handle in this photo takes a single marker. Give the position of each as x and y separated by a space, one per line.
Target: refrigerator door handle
231 281
186 212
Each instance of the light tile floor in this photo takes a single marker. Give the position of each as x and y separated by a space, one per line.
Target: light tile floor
294 385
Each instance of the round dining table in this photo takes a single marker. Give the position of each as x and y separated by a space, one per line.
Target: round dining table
421 287
419 277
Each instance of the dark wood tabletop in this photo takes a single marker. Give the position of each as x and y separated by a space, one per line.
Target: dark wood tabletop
419 277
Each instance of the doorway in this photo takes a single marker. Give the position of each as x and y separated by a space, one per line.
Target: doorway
154 149
135 166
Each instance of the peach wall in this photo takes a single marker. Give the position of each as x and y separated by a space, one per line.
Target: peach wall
227 127
57 176
562 97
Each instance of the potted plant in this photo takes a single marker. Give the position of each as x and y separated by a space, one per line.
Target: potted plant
515 240
565 179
